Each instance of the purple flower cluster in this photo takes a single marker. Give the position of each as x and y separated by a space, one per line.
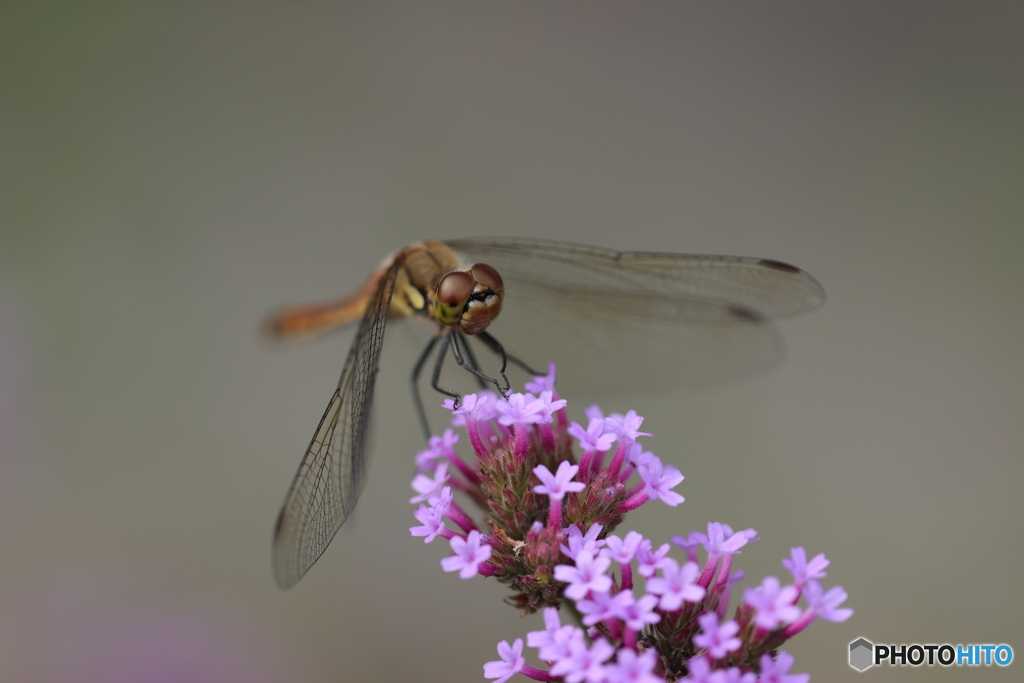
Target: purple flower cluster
550 517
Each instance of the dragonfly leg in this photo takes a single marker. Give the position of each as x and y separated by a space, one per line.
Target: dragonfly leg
417 399
436 376
471 359
497 347
456 351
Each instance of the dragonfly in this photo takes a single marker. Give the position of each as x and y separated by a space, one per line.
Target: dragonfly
627 320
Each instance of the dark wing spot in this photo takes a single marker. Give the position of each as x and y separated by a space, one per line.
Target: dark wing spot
745 314
278 524
779 265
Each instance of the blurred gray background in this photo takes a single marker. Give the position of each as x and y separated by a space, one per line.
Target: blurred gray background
171 172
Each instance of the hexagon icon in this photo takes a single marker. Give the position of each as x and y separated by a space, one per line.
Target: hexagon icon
861 654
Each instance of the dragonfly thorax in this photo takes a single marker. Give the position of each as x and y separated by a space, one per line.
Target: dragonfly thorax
469 298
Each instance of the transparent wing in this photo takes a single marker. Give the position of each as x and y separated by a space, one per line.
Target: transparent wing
637 320
333 470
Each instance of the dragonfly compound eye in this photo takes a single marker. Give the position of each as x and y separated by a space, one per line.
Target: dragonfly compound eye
485 302
487 276
453 291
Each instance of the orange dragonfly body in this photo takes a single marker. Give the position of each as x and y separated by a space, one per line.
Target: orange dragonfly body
416 271
629 320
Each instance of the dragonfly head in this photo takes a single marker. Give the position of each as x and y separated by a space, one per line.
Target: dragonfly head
470 298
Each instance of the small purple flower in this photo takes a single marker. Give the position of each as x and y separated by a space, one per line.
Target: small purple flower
637 456
826 605
777 670
594 437
773 603
524 409
626 426
576 540
637 613
551 406
432 518
438 447
602 606
622 550
700 671
481 406
427 459
552 624
650 560
554 642
511 662
556 485
469 553
659 480
587 575
543 382
722 541
718 639
676 584
630 667
428 488
750 534
585 663
735 675
444 443
690 543
802 570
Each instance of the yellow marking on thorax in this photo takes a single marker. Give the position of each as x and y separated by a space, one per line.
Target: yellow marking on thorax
410 299
425 263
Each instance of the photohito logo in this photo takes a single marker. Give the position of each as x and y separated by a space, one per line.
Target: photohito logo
864 654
